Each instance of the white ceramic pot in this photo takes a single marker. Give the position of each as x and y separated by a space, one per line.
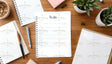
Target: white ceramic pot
98 19
8 12
79 10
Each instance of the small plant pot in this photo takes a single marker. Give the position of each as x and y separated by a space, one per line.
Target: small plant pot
79 10
8 10
99 22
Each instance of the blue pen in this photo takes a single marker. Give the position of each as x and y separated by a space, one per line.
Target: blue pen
59 62
101 1
28 33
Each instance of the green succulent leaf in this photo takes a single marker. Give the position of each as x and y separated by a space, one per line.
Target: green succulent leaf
95 3
91 8
85 7
88 12
110 18
91 5
97 7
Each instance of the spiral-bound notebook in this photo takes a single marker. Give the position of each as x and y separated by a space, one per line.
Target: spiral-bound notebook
26 10
53 34
9 44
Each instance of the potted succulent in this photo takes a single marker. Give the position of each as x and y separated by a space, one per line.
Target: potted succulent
104 18
85 6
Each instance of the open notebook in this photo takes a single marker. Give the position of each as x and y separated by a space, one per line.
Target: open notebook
93 48
26 10
53 34
9 44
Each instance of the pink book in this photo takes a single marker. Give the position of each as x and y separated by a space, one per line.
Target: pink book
55 3
31 62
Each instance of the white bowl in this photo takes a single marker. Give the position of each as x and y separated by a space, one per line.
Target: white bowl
99 22
79 10
8 12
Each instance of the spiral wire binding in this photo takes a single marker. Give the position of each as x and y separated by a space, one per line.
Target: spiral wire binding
36 23
18 13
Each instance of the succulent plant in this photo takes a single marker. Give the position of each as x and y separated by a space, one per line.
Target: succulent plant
87 5
106 16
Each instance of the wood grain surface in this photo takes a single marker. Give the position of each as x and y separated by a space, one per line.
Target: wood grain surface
77 20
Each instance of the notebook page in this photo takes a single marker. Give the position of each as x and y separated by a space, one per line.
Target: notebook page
93 48
53 34
9 44
26 10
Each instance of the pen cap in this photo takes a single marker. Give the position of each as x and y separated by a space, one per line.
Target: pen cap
59 62
27 28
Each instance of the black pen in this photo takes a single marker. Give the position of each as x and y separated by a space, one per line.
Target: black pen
21 47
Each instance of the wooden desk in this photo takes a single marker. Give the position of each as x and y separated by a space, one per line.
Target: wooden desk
77 19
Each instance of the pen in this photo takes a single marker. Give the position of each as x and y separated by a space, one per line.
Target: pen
59 62
21 47
28 33
101 1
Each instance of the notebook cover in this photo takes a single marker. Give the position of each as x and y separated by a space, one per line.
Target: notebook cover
55 3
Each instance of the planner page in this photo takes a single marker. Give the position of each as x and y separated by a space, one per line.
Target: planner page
53 34
93 48
26 10
9 44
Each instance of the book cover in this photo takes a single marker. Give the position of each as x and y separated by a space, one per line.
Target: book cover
55 3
